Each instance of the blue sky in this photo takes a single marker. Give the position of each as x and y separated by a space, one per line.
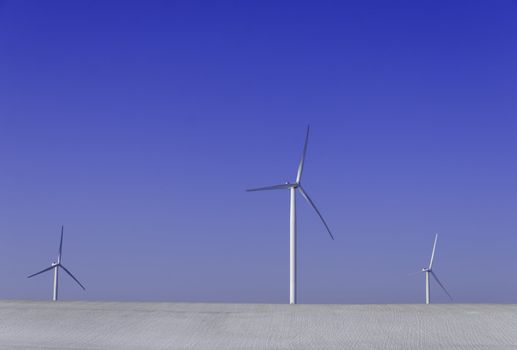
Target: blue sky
138 125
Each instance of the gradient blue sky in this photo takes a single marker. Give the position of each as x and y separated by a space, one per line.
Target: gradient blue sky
138 124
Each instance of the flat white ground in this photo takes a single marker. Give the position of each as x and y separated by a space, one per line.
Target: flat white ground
124 325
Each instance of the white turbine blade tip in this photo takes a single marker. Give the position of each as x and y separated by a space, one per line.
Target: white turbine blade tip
309 200
432 254
441 285
75 279
304 152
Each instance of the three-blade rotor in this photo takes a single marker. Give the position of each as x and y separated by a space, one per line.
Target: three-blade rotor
297 185
430 269
58 264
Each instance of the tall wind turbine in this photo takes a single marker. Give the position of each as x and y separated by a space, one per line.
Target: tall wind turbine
56 266
292 187
429 271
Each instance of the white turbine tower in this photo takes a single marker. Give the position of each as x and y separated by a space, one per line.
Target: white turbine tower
293 187
56 266
429 271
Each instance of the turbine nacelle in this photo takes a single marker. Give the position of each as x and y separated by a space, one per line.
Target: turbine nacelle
297 185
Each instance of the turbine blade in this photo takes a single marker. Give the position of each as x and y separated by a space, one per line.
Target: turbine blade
75 279
60 246
441 285
300 166
275 187
432 255
45 270
309 200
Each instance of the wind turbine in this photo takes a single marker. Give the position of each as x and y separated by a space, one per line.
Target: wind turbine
56 266
292 187
429 271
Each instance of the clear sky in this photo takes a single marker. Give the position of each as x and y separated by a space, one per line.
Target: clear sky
139 124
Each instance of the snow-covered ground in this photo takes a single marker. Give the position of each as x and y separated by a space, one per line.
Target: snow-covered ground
128 325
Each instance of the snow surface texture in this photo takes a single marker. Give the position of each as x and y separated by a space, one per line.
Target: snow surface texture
128 325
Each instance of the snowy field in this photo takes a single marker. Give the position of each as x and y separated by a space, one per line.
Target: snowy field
117 325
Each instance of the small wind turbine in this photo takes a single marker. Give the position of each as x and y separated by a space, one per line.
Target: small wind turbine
429 271
293 187
56 266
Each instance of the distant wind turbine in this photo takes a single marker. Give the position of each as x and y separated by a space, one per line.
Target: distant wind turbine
429 271
293 187
56 266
